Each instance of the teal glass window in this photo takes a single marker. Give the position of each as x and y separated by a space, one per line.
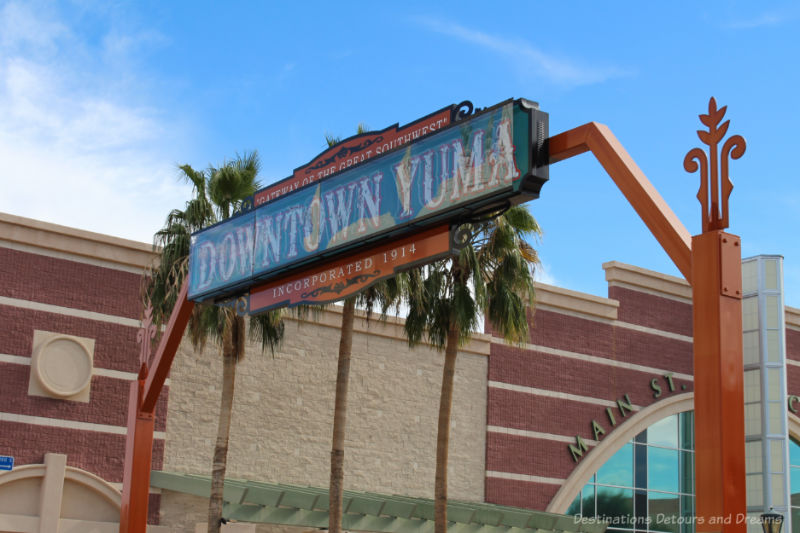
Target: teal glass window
648 485
794 483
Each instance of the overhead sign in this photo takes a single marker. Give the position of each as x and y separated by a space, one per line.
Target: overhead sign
355 150
334 280
477 163
6 462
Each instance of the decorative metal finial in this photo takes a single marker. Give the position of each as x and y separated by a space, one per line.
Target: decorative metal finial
714 197
145 335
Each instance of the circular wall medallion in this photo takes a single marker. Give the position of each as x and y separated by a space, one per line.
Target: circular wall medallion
63 366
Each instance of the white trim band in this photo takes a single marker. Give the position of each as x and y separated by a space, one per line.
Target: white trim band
537 435
68 311
525 477
613 322
70 424
595 359
103 372
555 394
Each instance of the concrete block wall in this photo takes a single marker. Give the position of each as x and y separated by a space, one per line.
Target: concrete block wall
283 414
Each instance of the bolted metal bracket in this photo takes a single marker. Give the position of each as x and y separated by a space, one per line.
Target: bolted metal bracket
730 252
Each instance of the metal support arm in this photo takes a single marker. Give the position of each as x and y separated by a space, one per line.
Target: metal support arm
651 207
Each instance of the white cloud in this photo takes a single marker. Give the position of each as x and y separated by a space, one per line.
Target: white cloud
768 18
559 70
542 274
21 27
74 149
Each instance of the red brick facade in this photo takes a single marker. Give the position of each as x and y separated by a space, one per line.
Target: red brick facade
44 291
576 368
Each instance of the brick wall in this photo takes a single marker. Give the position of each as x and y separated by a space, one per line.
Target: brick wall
49 284
580 360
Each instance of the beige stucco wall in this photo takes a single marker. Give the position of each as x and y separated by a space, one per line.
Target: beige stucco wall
283 414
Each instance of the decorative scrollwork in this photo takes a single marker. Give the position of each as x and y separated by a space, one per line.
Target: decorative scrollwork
462 111
244 206
239 304
460 236
342 153
145 336
242 305
339 287
715 188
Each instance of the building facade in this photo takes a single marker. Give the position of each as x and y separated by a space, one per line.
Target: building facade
592 415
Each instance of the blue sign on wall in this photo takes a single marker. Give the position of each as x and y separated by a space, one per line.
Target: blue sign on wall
6 462
475 163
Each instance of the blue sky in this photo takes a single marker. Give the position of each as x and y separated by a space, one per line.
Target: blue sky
100 101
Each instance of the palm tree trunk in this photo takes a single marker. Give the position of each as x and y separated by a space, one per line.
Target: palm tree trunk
443 437
340 417
232 347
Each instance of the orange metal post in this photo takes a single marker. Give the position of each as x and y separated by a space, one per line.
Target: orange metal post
165 353
142 400
720 479
711 263
138 457
718 376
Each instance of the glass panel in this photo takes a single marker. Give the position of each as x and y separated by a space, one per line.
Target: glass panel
750 313
749 277
615 505
640 466
587 505
664 512
687 430
640 509
774 384
752 419
778 492
770 274
753 459
575 506
662 469
794 485
687 512
794 455
618 470
754 523
752 385
755 489
776 456
795 520
687 473
750 347
664 432
775 417
773 346
772 311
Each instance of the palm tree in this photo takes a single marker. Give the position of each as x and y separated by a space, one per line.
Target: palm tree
492 272
217 194
384 293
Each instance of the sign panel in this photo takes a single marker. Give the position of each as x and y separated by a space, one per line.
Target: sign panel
474 165
6 462
353 151
337 279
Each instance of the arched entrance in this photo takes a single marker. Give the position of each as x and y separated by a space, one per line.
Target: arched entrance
49 496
